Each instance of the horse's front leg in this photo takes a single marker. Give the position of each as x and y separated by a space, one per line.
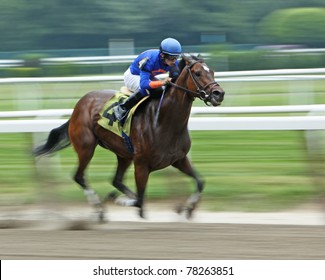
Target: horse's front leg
141 173
185 166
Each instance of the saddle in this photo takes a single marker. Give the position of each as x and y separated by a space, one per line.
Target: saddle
108 121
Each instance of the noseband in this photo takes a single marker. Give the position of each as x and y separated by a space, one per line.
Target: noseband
200 89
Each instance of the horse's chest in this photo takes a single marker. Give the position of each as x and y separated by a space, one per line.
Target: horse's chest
173 145
161 149
163 156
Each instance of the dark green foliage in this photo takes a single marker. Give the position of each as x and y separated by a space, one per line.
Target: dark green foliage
295 26
58 24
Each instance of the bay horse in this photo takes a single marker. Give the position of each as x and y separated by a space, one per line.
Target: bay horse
157 142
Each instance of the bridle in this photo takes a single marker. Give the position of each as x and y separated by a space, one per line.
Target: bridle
200 89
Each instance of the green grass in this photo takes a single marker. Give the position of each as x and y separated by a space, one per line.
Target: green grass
243 170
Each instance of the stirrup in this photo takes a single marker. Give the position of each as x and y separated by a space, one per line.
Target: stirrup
119 113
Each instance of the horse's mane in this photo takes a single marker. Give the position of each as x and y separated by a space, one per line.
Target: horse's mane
182 62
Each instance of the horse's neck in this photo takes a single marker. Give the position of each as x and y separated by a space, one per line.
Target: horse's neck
176 108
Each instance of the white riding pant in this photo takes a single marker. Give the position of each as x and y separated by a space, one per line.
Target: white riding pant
132 82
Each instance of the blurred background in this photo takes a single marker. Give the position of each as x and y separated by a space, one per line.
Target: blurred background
244 170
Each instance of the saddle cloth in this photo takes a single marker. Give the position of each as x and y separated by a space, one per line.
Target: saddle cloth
107 118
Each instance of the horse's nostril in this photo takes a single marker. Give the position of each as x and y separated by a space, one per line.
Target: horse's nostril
219 94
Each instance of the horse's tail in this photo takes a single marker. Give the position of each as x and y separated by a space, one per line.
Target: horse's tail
57 140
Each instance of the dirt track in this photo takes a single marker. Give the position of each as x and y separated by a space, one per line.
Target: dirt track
51 239
167 241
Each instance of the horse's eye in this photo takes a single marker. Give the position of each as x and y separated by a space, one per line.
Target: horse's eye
198 73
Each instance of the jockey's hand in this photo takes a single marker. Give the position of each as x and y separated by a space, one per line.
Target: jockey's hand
166 81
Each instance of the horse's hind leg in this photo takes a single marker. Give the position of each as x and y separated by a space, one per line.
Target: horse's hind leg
122 165
185 166
141 174
85 154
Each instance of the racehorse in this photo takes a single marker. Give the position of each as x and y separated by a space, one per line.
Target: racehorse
158 140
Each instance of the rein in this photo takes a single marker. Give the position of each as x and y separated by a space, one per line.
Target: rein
197 94
200 90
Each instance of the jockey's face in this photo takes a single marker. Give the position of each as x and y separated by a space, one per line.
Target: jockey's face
168 59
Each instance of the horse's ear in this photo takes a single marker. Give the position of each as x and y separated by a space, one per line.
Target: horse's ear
184 56
187 58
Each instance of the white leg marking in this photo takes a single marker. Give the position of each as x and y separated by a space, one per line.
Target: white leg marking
125 201
92 197
194 198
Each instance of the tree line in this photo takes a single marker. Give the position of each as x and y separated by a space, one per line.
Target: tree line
57 24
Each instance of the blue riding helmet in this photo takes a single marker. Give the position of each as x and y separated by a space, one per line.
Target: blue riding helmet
171 47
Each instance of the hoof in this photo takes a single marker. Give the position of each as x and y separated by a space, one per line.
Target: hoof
101 217
189 213
111 196
141 213
179 208
100 212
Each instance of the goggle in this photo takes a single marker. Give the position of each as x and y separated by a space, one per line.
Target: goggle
172 57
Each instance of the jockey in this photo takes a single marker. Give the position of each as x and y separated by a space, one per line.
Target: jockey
140 76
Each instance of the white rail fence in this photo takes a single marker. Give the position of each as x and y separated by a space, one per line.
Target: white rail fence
298 89
72 60
45 120
228 76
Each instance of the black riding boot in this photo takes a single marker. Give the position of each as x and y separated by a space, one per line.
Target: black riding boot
121 110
